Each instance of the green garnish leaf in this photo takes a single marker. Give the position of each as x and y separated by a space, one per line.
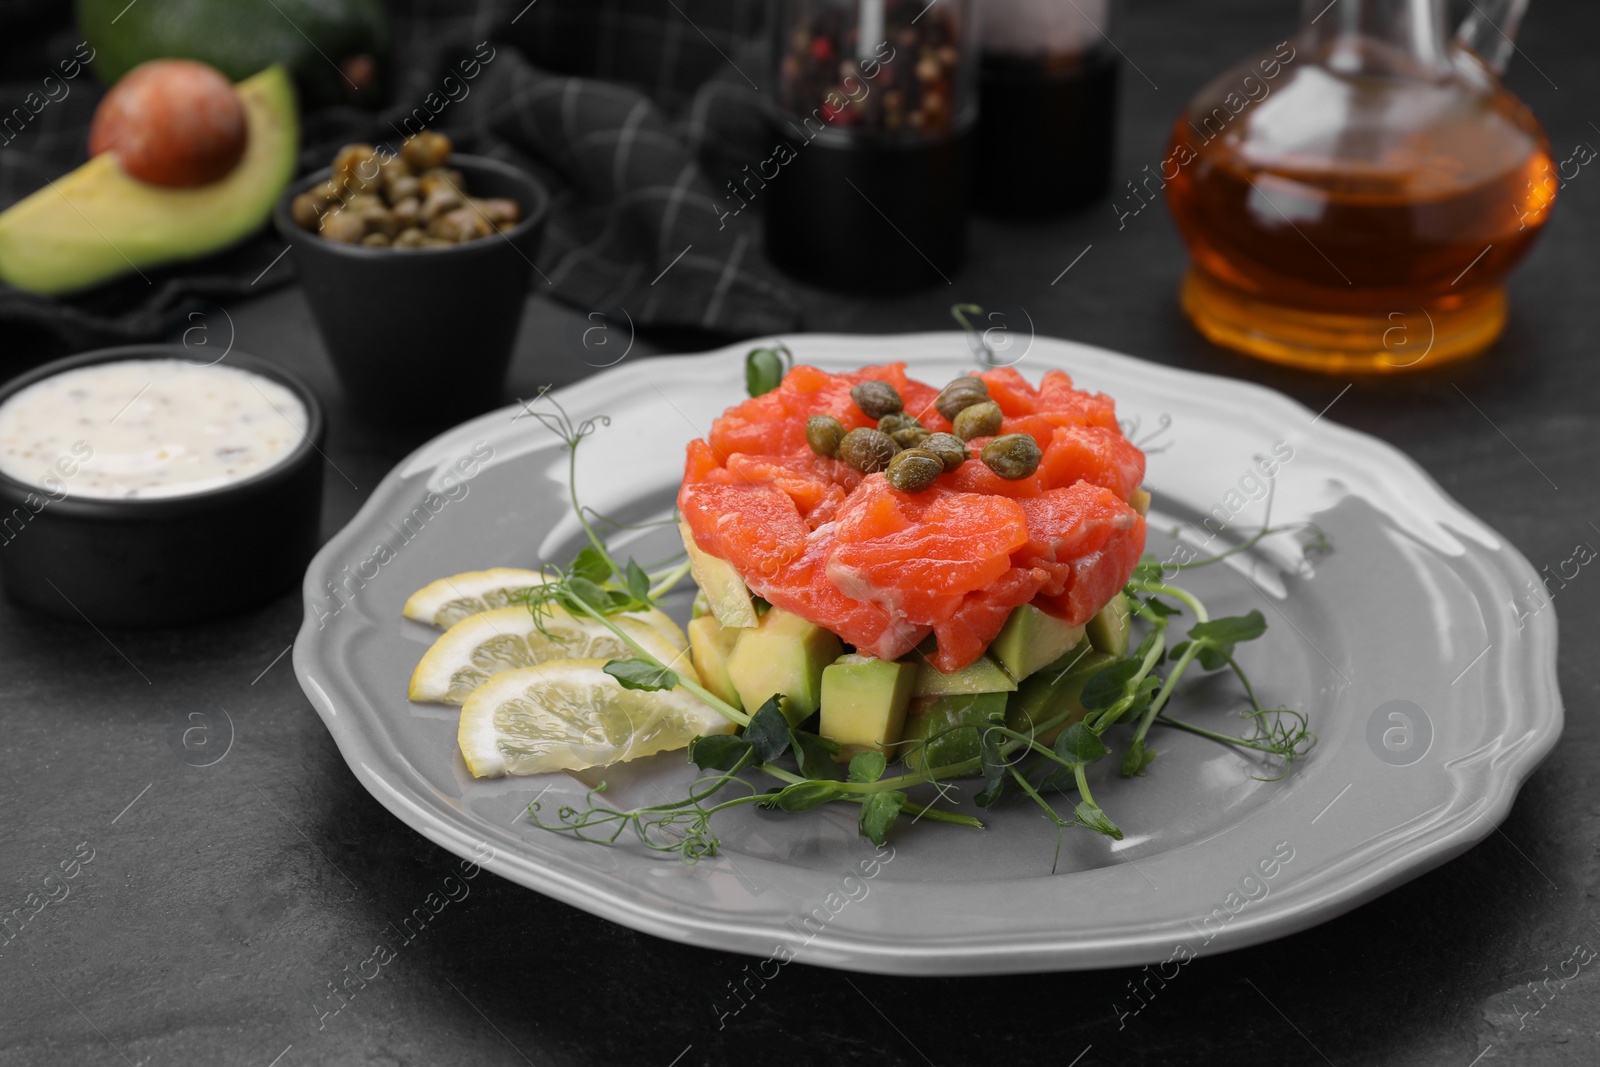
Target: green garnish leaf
719 752
1109 685
764 369
1219 636
1159 607
638 582
1061 779
768 732
1078 744
590 593
993 790
639 674
814 754
1090 815
867 766
590 565
1137 758
879 812
802 796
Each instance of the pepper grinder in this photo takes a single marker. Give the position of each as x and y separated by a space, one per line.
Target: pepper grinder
868 181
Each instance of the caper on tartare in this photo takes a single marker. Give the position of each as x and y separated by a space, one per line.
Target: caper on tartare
876 399
867 451
1012 455
897 420
823 434
913 470
960 394
948 447
977 420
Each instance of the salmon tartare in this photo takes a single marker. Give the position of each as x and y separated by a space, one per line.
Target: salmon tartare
1037 504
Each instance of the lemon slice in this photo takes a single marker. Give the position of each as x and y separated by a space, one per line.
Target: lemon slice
447 601
482 645
568 714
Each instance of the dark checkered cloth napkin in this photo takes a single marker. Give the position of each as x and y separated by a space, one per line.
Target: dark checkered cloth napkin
633 112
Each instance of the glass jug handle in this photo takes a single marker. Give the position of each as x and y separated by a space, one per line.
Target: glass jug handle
1489 29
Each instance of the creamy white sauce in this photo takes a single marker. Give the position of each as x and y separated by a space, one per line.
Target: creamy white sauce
144 428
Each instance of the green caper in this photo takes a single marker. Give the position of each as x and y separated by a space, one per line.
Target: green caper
346 227
866 450
911 436
823 434
977 420
959 394
914 470
1012 456
404 187
306 210
948 447
425 150
896 420
876 399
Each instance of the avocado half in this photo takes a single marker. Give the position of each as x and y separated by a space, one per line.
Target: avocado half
97 222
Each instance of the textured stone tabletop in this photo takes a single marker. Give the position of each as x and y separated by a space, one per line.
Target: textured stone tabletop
214 909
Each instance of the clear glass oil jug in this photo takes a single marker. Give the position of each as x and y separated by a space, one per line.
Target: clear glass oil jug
1354 198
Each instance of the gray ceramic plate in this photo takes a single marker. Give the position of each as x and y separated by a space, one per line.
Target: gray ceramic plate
1432 698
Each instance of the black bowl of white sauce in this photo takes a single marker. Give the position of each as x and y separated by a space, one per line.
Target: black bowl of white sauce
139 487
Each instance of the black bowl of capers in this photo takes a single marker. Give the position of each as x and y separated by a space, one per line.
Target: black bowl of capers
417 264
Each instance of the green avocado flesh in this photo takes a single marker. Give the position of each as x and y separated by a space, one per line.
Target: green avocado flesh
1031 639
239 37
726 594
1111 626
785 655
951 727
97 222
982 675
712 645
864 703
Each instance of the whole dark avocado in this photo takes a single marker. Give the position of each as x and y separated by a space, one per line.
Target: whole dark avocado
337 50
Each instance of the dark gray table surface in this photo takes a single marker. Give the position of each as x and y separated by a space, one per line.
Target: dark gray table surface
223 902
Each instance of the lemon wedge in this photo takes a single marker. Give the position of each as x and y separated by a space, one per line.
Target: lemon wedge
568 714
482 645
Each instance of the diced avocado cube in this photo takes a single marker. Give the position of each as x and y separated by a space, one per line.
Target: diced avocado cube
982 675
783 654
1033 638
712 643
950 728
1140 501
725 591
1111 626
1053 690
864 703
